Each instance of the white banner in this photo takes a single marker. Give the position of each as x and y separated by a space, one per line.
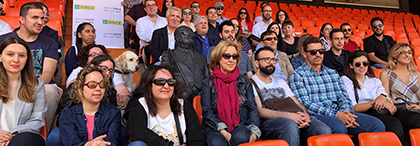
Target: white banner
106 16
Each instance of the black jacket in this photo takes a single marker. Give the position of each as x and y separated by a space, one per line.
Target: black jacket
159 42
331 62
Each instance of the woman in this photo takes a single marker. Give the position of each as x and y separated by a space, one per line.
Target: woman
246 47
162 117
370 95
281 16
400 80
245 22
22 96
274 26
85 36
325 36
165 5
90 122
298 60
289 39
187 18
229 118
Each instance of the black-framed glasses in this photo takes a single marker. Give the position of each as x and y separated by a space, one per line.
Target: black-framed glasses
268 59
349 30
152 5
196 6
220 8
242 12
365 64
93 85
376 26
267 11
162 82
227 56
313 52
186 13
106 69
270 38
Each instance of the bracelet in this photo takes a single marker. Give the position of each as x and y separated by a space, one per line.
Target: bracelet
384 95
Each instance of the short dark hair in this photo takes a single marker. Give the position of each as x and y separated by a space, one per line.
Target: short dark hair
287 22
266 33
310 40
30 5
43 5
194 2
208 9
225 23
344 24
1 1
262 9
264 2
334 31
376 19
84 54
267 48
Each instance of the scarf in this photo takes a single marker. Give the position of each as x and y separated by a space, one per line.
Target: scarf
228 98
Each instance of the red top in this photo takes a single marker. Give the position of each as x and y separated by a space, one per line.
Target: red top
351 46
90 124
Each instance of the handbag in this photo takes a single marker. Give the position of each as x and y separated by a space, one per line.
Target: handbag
371 110
278 104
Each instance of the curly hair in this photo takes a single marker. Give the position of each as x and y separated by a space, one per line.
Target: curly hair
77 93
84 54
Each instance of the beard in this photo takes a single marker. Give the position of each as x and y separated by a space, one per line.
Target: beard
378 34
266 18
267 71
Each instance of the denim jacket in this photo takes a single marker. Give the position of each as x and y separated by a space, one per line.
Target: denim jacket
73 130
248 111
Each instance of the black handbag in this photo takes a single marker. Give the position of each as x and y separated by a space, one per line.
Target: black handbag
371 110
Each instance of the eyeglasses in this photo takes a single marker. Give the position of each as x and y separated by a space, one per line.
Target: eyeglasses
93 85
149 6
270 38
376 26
242 12
281 14
104 68
407 52
267 11
365 63
237 25
196 6
162 82
327 29
94 54
313 52
227 56
349 30
187 13
268 59
220 8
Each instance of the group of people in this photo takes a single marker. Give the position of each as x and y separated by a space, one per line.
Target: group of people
255 80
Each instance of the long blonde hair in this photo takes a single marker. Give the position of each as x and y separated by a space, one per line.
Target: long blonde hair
393 54
217 53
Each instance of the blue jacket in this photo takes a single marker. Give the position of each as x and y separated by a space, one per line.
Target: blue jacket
73 130
248 111
71 59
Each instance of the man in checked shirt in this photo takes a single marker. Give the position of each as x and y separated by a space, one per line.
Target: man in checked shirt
321 90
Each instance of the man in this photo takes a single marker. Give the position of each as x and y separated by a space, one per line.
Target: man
336 57
348 44
378 45
211 18
284 68
220 8
163 38
195 7
189 66
227 33
279 124
203 40
259 18
259 28
136 12
44 52
321 90
4 27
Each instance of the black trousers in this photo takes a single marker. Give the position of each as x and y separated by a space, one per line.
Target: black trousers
27 139
392 124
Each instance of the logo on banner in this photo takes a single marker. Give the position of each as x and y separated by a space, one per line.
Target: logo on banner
111 22
84 7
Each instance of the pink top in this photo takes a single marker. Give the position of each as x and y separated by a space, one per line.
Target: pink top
90 124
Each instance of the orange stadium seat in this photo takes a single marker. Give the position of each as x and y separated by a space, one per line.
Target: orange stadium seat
357 39
362 27
312 30
378 72
402 40
278 142
415 136
56 25
198 108
330 140
360 33
379 138
13 12
390 33
306 23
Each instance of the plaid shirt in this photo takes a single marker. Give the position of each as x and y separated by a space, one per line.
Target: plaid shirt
321 93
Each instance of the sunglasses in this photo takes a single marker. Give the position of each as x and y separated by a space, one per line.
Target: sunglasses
365 63
162 82
406 52
270 38
376 26
349 30
268 59
227 56
187 13
313 52
93 85
196 6
220 8
105 69
242 12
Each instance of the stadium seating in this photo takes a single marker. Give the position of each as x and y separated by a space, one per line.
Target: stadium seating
266 143
379 138
415 137
330 140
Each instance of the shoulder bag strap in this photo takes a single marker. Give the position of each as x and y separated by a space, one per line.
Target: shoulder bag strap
75 50
179 69
356 94
178 129
257 89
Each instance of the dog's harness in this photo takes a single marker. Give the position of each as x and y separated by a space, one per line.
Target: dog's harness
121 72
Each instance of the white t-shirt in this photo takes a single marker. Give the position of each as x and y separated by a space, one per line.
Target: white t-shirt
165 127
259 28
278 88
371 89
7 116
115 80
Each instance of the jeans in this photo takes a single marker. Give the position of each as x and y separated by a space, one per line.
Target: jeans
367 123
287 129
378 66
239 135
137 143
27 139
55 139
